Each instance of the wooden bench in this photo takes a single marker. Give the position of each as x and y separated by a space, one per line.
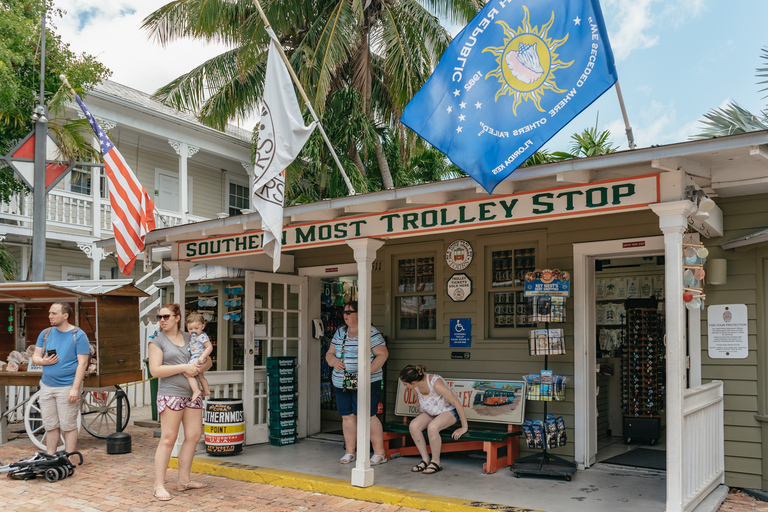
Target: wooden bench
500 402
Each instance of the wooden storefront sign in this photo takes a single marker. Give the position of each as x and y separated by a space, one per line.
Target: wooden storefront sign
560 202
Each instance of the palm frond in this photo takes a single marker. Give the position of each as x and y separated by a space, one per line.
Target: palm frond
730 120
7 264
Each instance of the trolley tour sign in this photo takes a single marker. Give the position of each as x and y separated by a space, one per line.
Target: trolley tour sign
577 200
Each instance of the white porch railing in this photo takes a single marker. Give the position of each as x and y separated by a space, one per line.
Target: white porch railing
15 395
704 442
225 384
74 211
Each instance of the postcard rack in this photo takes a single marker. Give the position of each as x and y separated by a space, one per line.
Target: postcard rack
544 463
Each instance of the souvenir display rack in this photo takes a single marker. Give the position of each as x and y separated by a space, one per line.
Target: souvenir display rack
544 463
642 371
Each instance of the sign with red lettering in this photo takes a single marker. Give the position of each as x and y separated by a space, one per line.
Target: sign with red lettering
627 245
491 401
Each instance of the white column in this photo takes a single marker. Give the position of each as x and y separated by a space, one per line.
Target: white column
365 253
24 263
96 254
673 221
184 151
248 169
179 273
96 202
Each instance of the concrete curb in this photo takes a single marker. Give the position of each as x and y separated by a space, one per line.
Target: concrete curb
342 488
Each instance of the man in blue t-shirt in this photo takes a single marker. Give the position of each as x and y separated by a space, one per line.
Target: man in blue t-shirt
63 353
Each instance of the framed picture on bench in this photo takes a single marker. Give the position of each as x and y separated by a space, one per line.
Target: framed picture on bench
490 401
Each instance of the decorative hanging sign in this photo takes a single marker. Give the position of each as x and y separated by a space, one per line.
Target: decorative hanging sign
694 257
459 255
459 287
727 331
553 283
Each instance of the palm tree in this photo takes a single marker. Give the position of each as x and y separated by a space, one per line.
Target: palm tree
7 264
734 118
383 49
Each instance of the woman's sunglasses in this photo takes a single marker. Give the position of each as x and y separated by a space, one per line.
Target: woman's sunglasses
164 317
349 311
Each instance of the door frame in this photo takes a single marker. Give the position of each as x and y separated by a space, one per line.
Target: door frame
255 392
175 175
315 275
584 347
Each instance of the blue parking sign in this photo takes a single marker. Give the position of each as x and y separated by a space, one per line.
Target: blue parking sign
461 332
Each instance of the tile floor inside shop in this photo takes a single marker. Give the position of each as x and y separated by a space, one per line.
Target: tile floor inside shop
611 446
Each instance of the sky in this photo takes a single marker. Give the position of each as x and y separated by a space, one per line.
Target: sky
675 60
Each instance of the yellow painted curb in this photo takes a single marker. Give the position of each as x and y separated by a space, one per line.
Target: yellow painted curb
342 488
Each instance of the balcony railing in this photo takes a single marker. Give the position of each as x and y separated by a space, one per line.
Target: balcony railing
73 213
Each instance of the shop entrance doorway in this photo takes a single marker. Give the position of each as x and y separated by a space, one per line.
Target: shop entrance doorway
335 293
598 405
630 361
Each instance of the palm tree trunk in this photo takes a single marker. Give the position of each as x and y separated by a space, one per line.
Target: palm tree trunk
354 154
386 176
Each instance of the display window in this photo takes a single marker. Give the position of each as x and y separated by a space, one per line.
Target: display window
508 314
415 297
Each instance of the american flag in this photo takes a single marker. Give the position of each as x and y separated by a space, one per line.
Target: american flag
132 209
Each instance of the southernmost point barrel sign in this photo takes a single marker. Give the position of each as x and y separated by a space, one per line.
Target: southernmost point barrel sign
224 424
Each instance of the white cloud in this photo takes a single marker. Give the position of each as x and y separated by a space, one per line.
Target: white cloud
112 32
635 24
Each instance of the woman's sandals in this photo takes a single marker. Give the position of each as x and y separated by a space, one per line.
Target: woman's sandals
419 467
432 468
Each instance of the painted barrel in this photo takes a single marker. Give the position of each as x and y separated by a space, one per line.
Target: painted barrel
224 425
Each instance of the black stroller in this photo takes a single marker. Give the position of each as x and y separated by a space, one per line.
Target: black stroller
53 467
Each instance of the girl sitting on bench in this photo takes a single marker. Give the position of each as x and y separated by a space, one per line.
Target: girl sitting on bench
439 409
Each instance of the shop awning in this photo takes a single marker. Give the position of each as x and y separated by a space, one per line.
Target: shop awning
206 273
751 239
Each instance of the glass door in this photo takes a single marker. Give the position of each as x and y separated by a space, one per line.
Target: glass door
274 326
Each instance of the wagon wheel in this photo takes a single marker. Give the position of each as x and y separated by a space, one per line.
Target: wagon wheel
33 423
99 412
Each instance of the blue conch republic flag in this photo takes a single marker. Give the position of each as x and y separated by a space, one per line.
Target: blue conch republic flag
511 79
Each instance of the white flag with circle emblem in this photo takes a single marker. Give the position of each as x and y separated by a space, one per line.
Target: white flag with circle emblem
282 134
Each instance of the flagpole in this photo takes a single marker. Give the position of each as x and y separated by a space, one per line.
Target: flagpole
64 80
304 96
630 137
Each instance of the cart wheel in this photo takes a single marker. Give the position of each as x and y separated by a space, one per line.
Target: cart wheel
51 474
33 423
63 473
70 471
99 412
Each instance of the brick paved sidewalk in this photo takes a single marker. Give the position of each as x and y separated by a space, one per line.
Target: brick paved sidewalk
124 483
737 501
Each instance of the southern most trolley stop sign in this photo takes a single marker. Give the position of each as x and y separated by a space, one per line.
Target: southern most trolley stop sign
499 210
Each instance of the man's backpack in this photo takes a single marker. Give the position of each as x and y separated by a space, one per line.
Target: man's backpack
74 340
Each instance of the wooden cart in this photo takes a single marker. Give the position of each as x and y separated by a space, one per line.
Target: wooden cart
108 312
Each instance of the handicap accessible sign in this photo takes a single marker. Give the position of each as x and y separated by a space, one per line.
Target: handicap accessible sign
461 332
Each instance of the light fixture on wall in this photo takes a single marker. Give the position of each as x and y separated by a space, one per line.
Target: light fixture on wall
703 203
717 271
39 114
